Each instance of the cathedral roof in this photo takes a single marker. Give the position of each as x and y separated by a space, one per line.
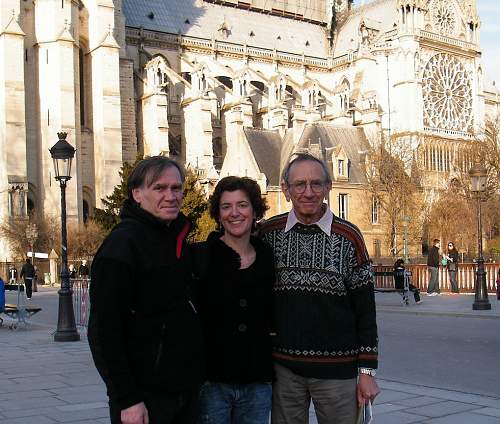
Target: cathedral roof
379 14
266 149
323 138
206 20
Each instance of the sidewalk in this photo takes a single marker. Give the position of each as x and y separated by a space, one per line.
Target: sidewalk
47 382
445 305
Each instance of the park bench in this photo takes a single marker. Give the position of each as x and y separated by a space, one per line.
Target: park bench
404 292
19 312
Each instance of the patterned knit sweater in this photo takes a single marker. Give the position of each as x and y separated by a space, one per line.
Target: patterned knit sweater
325 306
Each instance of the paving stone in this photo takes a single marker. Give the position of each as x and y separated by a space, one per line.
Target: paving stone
387 407
398 417
29 420
462 418
441 409
82 406
392 396
28 412
78 415
84 397
494 412
418 401
27 395
21 403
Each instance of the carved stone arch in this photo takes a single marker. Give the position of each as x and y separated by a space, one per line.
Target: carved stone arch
32 200
416 64
85 82
480 87
88 203
156 73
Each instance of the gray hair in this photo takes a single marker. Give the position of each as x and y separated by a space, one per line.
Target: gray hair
148 170
303 157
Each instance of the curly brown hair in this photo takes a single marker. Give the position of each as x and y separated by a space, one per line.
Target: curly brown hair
245 184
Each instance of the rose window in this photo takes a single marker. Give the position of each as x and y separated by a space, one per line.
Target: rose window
444 17
447 94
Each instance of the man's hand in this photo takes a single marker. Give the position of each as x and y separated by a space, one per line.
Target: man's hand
367 389
136 414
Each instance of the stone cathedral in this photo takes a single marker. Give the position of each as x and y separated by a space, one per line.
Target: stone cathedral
233 87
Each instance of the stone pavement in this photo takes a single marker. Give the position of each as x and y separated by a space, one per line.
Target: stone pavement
47 382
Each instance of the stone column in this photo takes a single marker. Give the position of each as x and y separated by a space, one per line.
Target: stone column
13 172
198 133
58 82
106 102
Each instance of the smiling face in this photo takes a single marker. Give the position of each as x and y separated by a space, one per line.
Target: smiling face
163 198
236 213
306 189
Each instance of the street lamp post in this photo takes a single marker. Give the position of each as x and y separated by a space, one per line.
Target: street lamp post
62 154
31 236
406 221
478 176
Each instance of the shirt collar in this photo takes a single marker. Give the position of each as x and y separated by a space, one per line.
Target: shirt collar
324 223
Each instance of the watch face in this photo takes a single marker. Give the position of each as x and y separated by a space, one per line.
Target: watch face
444 17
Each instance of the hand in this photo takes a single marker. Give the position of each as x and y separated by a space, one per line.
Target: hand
367 389
136 414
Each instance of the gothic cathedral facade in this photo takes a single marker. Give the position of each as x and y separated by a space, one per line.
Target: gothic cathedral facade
233 87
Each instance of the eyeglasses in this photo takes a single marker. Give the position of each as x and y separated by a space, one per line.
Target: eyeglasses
450 245
300 186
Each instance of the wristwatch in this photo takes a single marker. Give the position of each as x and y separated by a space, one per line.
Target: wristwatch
368 371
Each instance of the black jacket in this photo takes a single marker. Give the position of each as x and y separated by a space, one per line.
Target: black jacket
28 270
144 332
236 310
83 270
433 258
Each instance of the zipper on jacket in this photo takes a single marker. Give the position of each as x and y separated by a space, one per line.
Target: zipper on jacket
192 307
160 347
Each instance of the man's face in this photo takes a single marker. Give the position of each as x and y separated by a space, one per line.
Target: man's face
306 190
163 198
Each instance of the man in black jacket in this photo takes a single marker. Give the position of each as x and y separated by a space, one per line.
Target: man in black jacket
144 332
28 273
433 265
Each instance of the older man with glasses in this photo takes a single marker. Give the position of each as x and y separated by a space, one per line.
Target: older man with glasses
325 348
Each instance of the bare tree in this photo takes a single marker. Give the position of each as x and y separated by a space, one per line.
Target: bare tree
389 171
14 231
84 240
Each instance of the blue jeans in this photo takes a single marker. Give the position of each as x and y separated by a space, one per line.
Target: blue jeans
235 403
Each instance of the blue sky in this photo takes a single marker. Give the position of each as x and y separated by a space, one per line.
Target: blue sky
489 12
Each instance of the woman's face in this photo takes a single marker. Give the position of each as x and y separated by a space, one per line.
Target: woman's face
450 246
236 213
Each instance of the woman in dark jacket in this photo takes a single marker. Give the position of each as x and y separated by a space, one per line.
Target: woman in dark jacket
452 265
236 277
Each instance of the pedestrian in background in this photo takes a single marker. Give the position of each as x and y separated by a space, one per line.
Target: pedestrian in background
452 259
400 274
236 279
433 266
12 274
28 273
72 271
83 269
